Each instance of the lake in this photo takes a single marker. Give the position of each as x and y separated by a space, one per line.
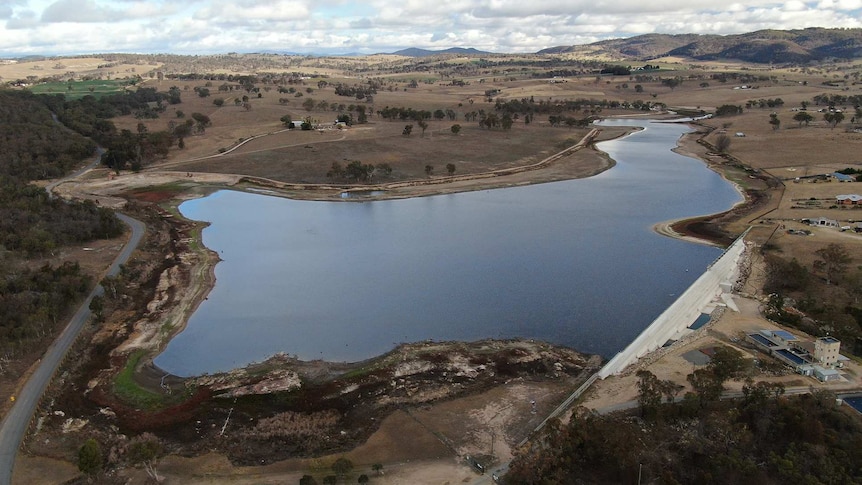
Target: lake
573 263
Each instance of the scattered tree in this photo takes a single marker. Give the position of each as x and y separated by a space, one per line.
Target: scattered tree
649 392
774 121
456 128
90 458
429 170
342 466
450 168
146 450
833 261
833 118
407 130
307 480
803 117
722 143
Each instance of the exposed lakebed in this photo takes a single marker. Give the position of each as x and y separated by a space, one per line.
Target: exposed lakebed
573 263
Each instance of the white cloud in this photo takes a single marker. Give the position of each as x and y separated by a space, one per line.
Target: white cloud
78 11
326 26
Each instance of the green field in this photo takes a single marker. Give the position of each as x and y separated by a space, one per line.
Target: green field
79 89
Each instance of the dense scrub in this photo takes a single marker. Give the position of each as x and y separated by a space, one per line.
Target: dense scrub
33 146
759 439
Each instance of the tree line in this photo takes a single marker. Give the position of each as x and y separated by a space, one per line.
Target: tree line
762 437
33 146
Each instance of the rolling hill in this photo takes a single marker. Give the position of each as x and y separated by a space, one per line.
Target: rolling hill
762 47
416 52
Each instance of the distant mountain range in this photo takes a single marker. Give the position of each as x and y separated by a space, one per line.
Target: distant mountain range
762 47
416 52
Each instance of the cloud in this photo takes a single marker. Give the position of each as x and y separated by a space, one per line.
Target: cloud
78 11
24 19
333 26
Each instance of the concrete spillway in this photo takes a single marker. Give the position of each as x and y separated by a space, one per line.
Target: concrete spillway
712 288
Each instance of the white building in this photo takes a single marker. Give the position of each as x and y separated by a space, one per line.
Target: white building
826 350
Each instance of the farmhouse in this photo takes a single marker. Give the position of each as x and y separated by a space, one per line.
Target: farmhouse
823 222
848 199
841 177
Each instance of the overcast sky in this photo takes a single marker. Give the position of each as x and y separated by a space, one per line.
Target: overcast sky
371 26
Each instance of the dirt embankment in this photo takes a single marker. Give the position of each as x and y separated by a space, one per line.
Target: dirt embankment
760 194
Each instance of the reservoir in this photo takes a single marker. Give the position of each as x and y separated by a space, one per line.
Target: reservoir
573 263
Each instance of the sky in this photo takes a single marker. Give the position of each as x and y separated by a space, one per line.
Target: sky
327 27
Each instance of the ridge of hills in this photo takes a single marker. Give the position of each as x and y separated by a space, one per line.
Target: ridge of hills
761 47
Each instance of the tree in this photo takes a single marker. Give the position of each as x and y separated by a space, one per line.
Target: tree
706 386
307 480
378 468
422 124
639 88
336 171
218 102
202 120
833 261
774 121
330 480
407 130
722 143
456 128
356 170
146 450
726 363
672 83
203 92
833 118
728 110
97 306
90 458
384 168
803 117
362 479
342 466
649 392
506 122
429 170
450 168
287 121
308 104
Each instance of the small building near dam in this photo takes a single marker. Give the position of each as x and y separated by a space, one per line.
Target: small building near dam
819 359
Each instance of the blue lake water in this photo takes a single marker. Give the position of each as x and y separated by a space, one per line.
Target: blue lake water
574 263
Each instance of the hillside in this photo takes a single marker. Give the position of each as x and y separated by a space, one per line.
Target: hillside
762 47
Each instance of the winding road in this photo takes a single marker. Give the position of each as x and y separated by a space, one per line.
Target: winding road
15 424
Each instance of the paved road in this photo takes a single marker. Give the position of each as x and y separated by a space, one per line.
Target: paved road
50 187
16 422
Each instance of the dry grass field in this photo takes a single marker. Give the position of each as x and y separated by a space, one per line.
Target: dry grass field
73 66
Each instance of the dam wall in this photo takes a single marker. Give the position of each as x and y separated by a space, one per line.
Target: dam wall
709 289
